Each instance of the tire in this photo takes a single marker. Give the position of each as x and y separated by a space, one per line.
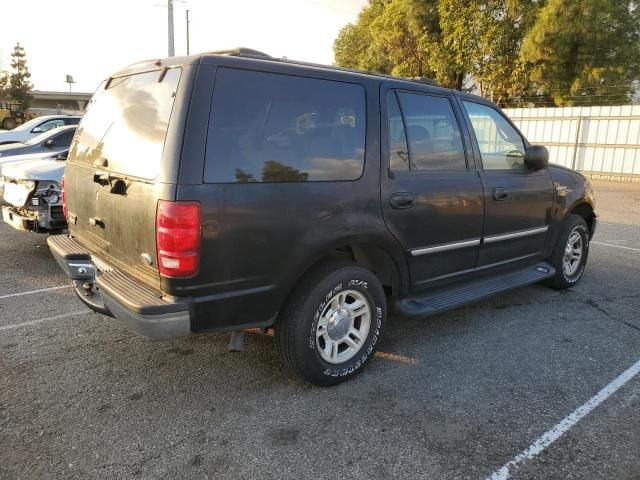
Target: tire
310 327
567 277
9 123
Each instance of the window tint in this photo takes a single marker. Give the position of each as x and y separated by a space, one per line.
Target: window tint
71 121
268 127
398 150
51 124
501 148
433 133
64 140
127 123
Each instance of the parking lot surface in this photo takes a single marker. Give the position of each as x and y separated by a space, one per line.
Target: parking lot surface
454 396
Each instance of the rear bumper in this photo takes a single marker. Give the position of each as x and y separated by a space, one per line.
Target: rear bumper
109 291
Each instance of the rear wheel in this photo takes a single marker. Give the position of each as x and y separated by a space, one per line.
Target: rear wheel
328 331
570 253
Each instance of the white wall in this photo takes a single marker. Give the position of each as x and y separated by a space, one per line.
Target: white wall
592 139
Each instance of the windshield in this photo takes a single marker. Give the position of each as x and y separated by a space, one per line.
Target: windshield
43 137
126 123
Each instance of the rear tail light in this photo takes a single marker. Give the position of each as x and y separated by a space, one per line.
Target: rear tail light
65 211
178 238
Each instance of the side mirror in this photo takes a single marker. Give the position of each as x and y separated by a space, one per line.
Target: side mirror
50 143
536 157
37 130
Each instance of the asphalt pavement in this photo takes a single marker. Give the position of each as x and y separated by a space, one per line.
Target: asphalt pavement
455 396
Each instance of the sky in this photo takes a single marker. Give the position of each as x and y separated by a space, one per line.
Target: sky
90 39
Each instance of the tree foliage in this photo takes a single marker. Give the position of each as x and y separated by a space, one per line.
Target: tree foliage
20 86
4 84
586 51
512 51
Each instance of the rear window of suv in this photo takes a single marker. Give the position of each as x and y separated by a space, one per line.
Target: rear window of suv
267 127
126 124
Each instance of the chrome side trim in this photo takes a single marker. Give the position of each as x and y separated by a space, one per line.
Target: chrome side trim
521 233
445 247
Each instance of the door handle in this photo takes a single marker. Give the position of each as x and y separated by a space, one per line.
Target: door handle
101 162
101 178
500 193
96 222
402 200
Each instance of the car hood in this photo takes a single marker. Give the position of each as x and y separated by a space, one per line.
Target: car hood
11 136
43 169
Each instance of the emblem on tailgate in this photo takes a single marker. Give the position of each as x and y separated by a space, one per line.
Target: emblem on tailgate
146 258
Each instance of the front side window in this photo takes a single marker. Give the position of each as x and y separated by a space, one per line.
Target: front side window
267 127
432 132
501 147
64 139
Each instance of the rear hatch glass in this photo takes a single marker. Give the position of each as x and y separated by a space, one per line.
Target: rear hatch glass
121 139
126 123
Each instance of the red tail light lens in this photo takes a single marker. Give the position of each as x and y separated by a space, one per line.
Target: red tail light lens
178 238
65 211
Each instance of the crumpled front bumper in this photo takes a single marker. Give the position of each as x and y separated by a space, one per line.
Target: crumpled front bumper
109 291
42 220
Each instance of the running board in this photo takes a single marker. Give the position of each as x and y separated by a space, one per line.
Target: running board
471 291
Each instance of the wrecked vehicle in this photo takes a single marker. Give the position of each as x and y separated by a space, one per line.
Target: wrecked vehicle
33 192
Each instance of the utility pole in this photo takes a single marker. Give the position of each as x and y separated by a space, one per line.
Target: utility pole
170 27
187 31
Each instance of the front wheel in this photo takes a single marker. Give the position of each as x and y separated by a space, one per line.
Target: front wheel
329 328
570 253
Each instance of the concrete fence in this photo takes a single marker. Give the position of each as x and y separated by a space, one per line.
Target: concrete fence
603 142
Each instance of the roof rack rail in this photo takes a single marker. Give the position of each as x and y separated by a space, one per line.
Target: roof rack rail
424 80
242 52
249 52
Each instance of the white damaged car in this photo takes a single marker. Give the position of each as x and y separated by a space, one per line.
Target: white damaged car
33 192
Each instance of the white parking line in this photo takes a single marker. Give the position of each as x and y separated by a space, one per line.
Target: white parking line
617 246
33 291
46 319
567 423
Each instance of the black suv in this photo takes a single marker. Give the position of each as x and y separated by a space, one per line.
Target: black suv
228 191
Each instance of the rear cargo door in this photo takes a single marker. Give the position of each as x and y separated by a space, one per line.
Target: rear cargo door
111 180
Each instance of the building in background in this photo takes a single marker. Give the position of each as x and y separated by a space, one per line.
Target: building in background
49 102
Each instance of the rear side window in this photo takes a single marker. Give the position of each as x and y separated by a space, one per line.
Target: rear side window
398 149
433 133
268 127
126 124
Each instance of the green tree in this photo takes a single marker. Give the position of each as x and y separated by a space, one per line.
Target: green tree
19 85
400 37
484 38
425 21
585 52
448 40
4 84
355 47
